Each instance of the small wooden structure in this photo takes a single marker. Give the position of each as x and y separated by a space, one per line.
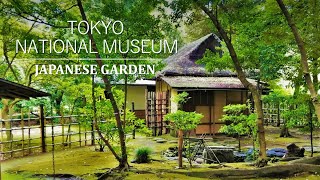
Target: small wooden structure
209 91
11 90
136 96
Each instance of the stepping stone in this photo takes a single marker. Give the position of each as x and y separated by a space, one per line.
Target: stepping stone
316 149
161 141
199 161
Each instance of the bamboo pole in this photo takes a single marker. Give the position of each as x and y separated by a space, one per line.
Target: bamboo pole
11 135
1 146
22 128
29 129
42 128
79 134
62 126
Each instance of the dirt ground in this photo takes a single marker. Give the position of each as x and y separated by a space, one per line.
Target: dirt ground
86 163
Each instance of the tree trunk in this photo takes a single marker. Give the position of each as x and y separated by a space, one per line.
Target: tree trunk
123 161
315 75
260 127
239 143
5 116
180 147
311 128
303 59
285 131
242 77
125 96
58 101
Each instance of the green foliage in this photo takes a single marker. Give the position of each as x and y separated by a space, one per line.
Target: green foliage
296 108
213 61
105 117
238 123
299 112
142 155
277 96
184 120
181 98
134 123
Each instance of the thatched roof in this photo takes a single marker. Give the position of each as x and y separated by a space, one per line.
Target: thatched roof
11 90
205 82
184 61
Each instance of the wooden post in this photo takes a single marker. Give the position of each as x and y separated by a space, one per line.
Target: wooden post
311 127
52 136
155 114
52 145
62 126
29 132
94 120
69 132
146 106
278 115
134 124
1 148
42 129
80 134
180 144
239 143
22 128
210 121
85 135
11 134
69 135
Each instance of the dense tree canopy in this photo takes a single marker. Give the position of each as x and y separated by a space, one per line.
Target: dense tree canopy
256 42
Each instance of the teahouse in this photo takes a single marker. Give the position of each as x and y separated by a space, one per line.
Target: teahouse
209 91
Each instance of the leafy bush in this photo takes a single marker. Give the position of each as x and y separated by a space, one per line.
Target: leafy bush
238 123
143 155
184 120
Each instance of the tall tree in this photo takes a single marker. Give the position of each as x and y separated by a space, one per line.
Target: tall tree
123 159
303 59
211 10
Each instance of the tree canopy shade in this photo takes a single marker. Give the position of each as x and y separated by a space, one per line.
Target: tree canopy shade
11 90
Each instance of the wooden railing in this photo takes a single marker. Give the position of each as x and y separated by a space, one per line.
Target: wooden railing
32 135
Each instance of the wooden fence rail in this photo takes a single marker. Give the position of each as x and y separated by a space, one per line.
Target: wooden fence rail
26 136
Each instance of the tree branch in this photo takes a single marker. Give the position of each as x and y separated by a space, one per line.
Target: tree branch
124 157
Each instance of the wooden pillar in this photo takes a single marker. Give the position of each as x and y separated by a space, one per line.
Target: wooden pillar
94 120
134 123
22 132
146 107
62 128
278 115
210 120
212 111
1 148
29 131
180 146
42 129
161 98
311 127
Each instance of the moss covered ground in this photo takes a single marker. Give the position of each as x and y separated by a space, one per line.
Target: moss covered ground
86 163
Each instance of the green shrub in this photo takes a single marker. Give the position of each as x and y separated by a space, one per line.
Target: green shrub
143 155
